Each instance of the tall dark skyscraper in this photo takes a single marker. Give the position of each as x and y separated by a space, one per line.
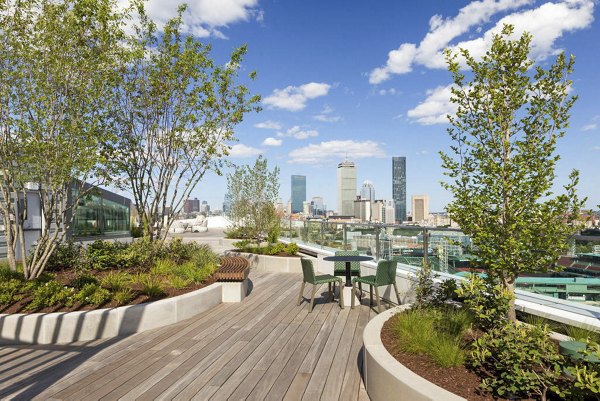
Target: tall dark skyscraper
399 187
298 192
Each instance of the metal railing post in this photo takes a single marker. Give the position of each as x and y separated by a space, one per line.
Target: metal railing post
425 247
345 237
377 243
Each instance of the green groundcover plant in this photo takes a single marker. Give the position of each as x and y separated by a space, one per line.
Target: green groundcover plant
107 272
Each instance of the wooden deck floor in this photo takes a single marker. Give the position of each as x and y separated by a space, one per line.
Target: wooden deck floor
265 348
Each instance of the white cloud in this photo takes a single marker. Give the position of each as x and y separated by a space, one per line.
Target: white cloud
434 108
546 23
589 127
268 125
298 133
272 142
204 17
422 152
327 115
596 147
390 91
294 98
336 150
239 151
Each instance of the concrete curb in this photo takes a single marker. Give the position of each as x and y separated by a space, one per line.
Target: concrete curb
66 327
386 378
271 264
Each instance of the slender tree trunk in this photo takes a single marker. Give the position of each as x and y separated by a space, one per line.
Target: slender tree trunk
509 285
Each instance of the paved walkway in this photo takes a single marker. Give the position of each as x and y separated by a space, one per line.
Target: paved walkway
264 348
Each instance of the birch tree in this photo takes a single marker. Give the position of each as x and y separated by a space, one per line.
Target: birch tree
502 164
177 110
58 60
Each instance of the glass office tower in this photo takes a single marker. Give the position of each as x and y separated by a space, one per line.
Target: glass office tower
399 187
298 192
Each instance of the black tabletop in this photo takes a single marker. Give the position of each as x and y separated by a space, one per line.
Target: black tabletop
347 258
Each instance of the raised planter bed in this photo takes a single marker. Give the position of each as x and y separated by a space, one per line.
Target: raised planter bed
66 327
386 378
271 264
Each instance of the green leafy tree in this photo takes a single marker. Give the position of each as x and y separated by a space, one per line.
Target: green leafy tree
177 109
254 191
502 164
58 66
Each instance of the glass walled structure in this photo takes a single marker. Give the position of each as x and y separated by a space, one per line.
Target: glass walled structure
103 213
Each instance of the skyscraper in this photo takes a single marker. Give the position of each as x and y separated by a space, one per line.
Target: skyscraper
420 208
346 188
368 191
298 193
399 187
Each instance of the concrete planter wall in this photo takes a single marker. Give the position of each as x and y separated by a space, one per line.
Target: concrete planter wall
66 327
272 264
386 378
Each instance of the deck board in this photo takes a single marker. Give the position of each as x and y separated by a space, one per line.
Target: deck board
265 347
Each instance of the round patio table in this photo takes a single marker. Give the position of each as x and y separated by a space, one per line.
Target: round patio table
348 260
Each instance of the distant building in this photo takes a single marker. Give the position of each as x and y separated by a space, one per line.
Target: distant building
306 208
318 207
378 211
205 208
362 209
298 193
191 206
389 215
368 191
420 208
227 204
346 188
399 187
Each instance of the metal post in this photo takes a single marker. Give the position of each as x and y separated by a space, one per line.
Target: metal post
377 243
345 237
425 246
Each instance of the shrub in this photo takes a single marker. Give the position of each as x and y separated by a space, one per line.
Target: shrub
80 281
446 291
143 252
7 274
487 300
425 288
115 280
123 296
92 294
67 255
49 294
10 291
292 248
102 255
137 232
205 258
516 361
275 249
179 251
586 374
238 232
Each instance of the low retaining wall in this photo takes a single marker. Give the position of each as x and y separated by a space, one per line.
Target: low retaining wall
386 378
66 327
271 264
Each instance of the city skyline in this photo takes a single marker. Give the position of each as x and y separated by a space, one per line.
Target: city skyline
372 93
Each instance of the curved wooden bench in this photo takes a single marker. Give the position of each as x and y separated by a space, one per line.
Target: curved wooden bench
233 268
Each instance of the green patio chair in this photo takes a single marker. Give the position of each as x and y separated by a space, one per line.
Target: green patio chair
339 268
308 272
385 275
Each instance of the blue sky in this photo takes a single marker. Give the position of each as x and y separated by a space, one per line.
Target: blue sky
367 80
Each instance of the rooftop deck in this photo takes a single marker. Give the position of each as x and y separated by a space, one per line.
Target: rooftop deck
264 348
